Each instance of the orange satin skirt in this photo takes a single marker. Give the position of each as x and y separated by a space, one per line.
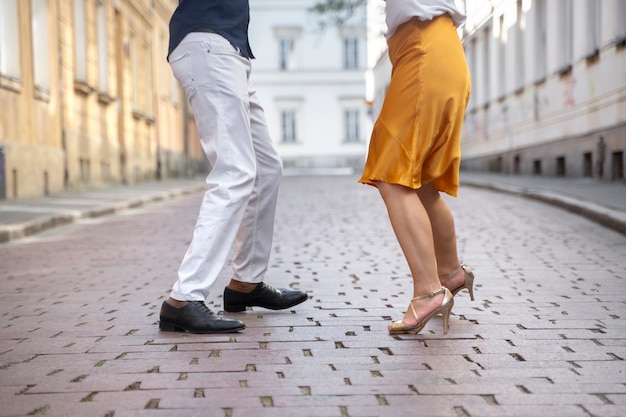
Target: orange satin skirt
416 138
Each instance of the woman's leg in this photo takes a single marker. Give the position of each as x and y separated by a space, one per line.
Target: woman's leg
444 236
414 232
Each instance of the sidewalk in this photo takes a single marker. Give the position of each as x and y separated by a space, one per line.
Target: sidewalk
24 217
602 202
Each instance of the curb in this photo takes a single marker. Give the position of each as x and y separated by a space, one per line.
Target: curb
11 232
605 216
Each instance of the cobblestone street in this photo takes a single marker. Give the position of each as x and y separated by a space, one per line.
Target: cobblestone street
546 335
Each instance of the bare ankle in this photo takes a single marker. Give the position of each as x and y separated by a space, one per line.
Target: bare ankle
448 273
239 286
176 303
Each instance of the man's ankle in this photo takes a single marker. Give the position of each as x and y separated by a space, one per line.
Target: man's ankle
239 286
176 303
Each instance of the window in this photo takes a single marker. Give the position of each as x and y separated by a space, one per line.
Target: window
9 40
620 35
592 47
350 53
175 96
288 126
566 36
80 42
519 47
540 40
501 57
352 125
41 57
286 38
134 62
486 65
286 48
102 49
472 64
147 80
352 39
161 71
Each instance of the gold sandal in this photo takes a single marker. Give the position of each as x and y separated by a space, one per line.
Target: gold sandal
469 280
398 327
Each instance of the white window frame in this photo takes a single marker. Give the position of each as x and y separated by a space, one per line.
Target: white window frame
286 39
352 125
351 52
286 53
288 126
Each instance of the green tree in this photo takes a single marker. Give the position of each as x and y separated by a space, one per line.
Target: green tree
336 12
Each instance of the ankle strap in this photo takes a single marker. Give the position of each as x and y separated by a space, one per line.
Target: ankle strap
431 295
453 273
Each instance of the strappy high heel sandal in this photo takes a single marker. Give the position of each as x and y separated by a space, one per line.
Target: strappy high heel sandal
469 280
399 327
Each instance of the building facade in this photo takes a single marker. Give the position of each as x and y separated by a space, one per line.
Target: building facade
311 83
87 97
549 87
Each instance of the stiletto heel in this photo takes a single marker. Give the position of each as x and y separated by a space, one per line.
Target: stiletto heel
469 280
446 317
398 327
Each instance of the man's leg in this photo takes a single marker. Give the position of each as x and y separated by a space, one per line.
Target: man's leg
254 238
214 76
219 86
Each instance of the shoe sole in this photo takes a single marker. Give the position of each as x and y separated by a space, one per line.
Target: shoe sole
171 327
238 308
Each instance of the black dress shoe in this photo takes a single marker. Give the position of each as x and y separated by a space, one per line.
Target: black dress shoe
262 296
195 317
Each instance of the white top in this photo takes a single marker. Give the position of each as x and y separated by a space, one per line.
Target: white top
400 11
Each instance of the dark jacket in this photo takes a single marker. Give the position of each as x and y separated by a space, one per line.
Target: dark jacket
229 18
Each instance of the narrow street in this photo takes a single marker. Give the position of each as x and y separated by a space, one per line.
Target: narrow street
545 336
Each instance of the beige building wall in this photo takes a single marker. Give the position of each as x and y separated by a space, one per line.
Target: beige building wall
30 120
93 101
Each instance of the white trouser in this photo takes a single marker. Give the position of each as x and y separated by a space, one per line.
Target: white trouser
240 203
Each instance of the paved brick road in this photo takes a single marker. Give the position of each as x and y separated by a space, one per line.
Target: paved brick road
545 337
